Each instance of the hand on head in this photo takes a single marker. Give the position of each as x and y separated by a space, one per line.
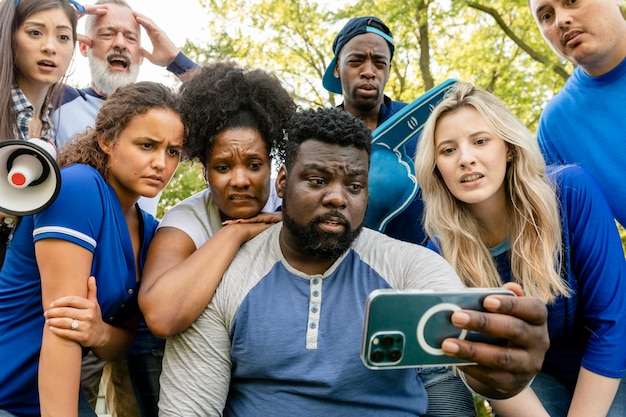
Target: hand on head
503 371
163 49
96 10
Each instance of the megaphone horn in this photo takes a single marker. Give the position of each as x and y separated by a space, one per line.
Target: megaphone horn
30 179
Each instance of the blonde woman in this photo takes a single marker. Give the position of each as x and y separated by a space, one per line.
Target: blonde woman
497 214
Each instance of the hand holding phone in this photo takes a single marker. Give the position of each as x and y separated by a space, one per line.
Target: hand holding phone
405 328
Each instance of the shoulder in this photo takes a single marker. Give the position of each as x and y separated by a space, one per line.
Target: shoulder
79 174
393 106
197 216
404 264
255 258
70 93
568 175
578 191
381 244
82 186
196 205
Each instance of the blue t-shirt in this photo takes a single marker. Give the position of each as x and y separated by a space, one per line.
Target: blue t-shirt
585 124
87 213
589 328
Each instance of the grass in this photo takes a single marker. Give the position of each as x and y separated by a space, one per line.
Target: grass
483 409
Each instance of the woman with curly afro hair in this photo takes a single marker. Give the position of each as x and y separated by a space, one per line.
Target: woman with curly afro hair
236 117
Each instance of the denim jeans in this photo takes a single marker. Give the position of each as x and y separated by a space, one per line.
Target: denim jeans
447 394
556 398
144 360
84 408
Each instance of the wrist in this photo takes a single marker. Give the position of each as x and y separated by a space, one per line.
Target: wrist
493 394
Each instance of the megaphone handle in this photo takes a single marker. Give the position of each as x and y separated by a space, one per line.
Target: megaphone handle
7 227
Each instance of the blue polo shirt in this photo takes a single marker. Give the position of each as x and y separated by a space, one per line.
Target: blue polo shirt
87 213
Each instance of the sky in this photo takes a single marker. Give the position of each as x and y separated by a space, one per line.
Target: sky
179 19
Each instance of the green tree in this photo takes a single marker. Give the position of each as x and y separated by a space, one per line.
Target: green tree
186 181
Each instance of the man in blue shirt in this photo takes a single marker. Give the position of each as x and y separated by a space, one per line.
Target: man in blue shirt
584 123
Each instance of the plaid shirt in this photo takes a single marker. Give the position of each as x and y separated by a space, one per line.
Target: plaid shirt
24 112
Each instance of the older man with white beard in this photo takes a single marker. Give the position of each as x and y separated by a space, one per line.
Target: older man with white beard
113 46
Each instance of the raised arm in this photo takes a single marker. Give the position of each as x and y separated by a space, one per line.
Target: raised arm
179 281
96 10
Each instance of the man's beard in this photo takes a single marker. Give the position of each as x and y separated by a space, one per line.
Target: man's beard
107 81
320 244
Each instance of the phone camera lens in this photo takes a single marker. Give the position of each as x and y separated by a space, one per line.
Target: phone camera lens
387 342
394 355
377 355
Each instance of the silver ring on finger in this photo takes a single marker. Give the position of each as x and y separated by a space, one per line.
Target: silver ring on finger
74 325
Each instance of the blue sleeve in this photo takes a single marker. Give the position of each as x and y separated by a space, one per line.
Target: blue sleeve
181 64
597 270
76 214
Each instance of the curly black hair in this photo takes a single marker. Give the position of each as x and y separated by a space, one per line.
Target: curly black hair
224 95
329 125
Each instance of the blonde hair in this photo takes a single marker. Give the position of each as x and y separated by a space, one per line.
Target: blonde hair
532 205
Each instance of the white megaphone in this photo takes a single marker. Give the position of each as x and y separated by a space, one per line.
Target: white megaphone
30 179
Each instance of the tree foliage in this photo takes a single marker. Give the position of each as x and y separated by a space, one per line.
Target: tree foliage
492 43
186 181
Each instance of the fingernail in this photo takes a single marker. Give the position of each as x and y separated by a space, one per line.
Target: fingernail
459 317
449 346
492 303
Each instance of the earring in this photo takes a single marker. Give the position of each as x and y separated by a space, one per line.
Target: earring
510 155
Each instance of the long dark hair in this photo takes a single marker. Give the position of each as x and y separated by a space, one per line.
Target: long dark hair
11 18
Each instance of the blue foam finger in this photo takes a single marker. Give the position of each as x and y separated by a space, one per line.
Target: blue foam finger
392 182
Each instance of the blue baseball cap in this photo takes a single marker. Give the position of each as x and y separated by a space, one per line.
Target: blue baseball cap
355 26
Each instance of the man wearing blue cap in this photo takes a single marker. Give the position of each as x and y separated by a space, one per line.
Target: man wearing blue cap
360 69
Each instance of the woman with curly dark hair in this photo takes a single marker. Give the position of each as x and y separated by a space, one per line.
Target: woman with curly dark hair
49 306
236 118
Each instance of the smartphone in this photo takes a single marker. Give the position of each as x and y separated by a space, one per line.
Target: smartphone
405 328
